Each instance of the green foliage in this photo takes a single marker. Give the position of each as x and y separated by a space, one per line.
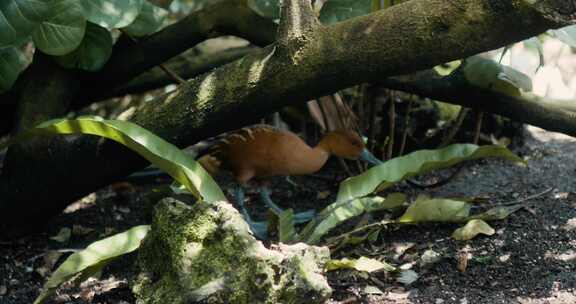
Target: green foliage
335 11
286 231
93 258
338 213
93 52
164 155
12 63
354 193
488 74
62 30
111 13
362 264
150 19
397 169
19 18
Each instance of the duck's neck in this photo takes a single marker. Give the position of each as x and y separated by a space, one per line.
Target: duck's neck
316 158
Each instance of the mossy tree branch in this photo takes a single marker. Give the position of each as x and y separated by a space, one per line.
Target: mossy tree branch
456 90
414 35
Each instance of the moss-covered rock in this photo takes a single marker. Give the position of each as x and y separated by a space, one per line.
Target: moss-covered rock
207 253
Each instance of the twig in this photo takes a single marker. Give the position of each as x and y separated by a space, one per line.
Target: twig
392 125
406 126
522 200
164 68
479 115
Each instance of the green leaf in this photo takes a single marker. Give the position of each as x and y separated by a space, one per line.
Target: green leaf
497 213
362 264
12 63
266 8
337 10
488 74
112 13
148 21
63 30
567 35
156 150
286 231
425 209
337 213
387 174
472 229
93 52
18 18
98 253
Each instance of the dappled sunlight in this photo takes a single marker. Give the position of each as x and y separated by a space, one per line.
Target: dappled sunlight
206 89
547 136
566 256
257 68
570 225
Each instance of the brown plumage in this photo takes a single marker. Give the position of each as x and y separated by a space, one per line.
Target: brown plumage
263 151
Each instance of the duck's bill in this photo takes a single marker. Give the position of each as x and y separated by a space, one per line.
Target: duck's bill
369 158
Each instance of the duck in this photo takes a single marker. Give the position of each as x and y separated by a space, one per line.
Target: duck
259 152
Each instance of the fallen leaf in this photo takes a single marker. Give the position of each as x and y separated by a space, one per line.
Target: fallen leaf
362 264
407 277
472 229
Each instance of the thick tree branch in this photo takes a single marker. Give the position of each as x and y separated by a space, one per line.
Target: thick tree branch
130 59
297 20
187 66
456 90
411 36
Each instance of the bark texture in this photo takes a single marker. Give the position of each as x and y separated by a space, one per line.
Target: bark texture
411 36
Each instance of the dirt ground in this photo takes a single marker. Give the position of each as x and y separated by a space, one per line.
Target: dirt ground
530 259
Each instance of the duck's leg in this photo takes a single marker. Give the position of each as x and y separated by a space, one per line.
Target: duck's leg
301 217
260 229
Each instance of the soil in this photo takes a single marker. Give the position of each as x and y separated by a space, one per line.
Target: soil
530 259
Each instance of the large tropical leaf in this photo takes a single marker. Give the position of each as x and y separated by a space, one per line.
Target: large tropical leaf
12 63
338 213
489 74
94 257
112 13
425 209
159 152
18 18
337 10
93 52
148 21
419 162
63 30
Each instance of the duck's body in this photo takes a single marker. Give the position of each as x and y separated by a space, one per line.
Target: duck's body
262 151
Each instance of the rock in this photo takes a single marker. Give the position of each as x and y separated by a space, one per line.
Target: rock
207 253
